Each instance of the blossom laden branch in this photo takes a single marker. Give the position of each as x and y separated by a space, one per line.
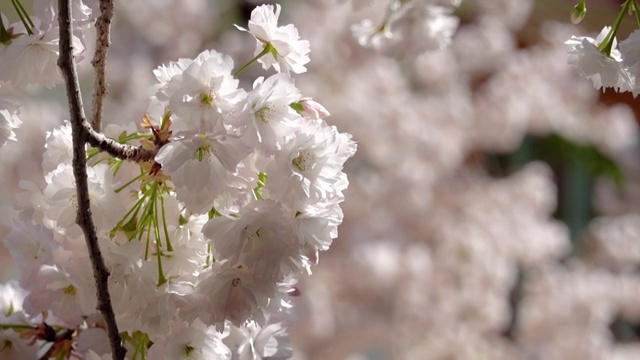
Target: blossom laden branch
216 162
103 24
84 219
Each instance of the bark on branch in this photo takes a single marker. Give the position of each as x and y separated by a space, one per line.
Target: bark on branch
80 136
115 149
103 24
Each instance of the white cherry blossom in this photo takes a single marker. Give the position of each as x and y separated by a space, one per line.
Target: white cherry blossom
252 341
603 71
310 163
270 117
199 92
289 52
197 341
60 196
215 158
32 59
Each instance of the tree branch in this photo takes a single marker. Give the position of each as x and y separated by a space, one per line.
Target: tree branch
115 149
84 220
99 61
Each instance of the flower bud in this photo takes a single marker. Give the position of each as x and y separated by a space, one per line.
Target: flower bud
578 13
312 109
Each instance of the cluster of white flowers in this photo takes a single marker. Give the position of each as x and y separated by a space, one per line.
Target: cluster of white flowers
602 61
29 52
205 243
29 49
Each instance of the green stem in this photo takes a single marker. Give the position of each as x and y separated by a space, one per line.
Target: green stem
161 278
135 136
208 259
140 348
16 326
387 16
164 225
153 225
92 152
116 164
267 49
165 118
24 16
129 183
147 217
136 207
134 210
607 44
385 21
24 12
636 11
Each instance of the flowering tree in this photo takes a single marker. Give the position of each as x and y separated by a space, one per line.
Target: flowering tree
175 219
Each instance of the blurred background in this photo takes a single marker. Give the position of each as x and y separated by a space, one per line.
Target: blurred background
493 207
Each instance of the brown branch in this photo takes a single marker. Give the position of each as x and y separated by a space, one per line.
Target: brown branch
79 137
115 149
95 138
99 61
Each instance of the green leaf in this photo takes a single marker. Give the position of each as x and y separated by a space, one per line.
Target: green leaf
595 161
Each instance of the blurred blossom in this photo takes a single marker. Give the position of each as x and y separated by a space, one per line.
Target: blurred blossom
432 246
408 28
483 47
612 242
512 14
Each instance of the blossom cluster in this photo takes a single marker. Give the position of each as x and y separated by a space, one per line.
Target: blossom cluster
28 53
602 61
204 243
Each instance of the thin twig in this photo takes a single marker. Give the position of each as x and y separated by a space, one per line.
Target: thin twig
84 219
103 24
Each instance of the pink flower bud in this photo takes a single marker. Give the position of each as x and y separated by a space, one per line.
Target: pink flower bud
312 109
